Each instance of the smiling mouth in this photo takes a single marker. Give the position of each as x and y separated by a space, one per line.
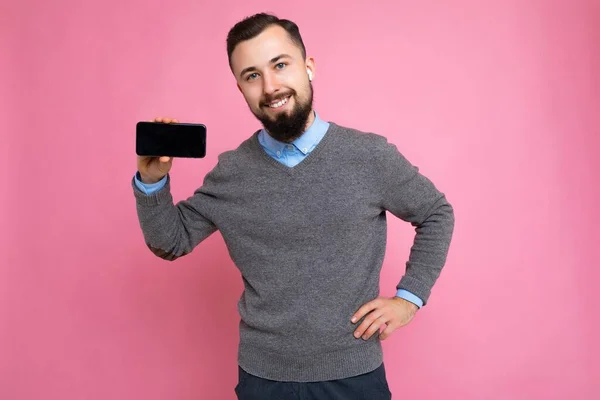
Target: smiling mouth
279 103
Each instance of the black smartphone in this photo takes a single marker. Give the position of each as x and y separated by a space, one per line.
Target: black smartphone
172 140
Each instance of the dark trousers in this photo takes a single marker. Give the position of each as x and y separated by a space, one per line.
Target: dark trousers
370 386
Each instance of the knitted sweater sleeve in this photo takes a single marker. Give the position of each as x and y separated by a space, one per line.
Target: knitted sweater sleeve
412 197
173 230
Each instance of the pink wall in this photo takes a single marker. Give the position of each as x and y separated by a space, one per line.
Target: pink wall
494 102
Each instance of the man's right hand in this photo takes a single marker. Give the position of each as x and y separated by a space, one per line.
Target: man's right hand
153 169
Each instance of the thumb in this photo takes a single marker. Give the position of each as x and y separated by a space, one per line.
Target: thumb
164 159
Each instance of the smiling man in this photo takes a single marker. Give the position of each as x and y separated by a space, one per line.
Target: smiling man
274 79
302 205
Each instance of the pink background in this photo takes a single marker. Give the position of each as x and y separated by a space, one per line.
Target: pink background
497 103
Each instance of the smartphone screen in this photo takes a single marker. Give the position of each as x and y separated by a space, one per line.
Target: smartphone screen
172 140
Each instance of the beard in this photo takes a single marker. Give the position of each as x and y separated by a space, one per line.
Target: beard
286 127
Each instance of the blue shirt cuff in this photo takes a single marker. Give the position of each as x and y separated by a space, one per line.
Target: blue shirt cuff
406 295
149 188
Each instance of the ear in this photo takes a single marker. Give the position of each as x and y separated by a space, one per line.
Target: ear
310 66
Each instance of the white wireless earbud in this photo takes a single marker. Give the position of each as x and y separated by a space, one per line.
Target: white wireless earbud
309 74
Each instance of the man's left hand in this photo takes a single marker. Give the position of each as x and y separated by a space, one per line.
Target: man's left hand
395 313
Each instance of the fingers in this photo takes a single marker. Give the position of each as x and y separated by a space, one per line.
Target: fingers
370 325
366 324
365 309
165 120
382 314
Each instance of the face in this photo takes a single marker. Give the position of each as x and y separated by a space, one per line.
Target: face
272 76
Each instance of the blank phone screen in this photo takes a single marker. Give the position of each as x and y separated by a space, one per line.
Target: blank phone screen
173 140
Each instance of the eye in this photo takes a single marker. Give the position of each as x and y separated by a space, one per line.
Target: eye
282 65
251 76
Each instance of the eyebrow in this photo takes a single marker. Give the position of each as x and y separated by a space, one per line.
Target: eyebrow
272 61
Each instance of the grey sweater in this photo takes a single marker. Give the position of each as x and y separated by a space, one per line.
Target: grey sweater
309 242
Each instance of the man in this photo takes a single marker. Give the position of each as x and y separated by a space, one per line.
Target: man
301 206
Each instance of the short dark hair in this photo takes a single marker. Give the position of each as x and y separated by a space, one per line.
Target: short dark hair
252 26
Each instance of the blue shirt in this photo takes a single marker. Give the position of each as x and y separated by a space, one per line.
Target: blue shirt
289 154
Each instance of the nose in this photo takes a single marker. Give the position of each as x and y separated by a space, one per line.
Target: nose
270 83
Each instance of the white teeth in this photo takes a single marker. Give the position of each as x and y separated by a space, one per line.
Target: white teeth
279 103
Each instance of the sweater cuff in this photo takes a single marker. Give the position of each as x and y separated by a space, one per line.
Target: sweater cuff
149 188
161 196
416 287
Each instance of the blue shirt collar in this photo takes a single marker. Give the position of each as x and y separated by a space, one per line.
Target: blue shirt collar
304 143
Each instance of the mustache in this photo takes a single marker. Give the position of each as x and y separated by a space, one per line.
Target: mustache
279 96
